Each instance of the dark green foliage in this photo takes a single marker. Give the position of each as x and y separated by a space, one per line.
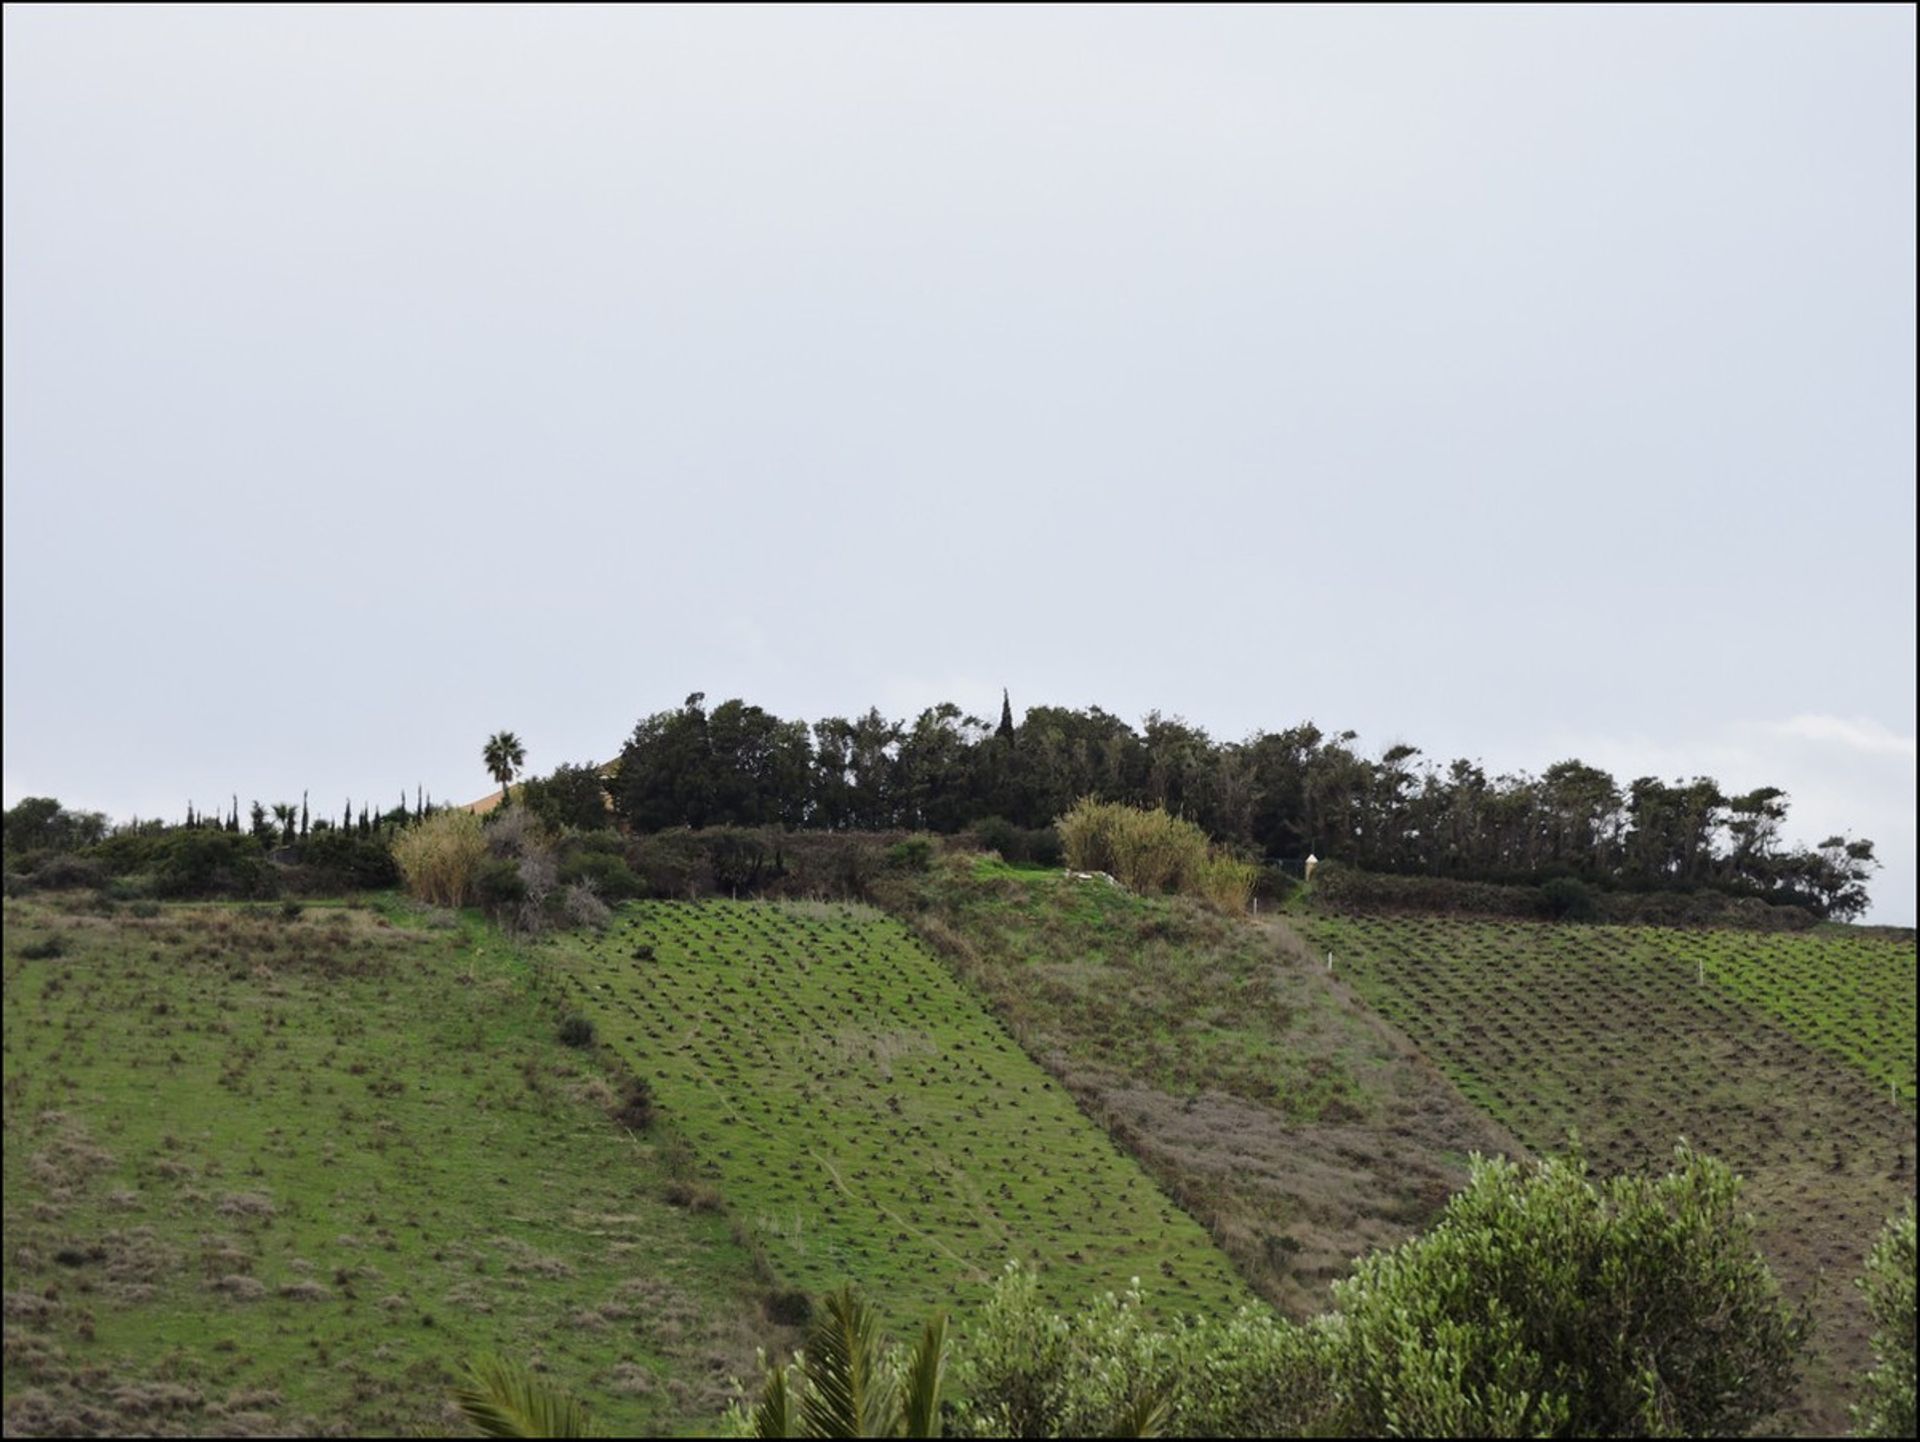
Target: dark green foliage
45 949
63 872
504 755
1278 795
1346 889
347 861
634 1110
1017 845
200 863
789 1307
1566 899
609 876
913 854
500 887
1543 1303
576 1030
743 861
1887 1409
40 823
573 796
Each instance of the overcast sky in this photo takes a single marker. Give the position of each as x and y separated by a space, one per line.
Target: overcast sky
1515 383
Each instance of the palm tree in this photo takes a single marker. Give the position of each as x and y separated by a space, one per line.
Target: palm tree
503 755
843 1389
284 813
502 1399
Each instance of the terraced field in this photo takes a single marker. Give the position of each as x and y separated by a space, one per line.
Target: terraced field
1789 1057
869 1118
271 1175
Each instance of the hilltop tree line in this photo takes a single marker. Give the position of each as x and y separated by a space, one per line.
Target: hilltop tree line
211 852
1276 795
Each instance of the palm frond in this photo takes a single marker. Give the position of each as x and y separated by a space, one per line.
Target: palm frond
774 1416
1145 1416
502 1399
926 1370
847 1391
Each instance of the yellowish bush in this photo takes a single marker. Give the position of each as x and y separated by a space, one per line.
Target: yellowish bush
440 859
1151 851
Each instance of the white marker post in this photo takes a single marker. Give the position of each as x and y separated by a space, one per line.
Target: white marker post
1329 961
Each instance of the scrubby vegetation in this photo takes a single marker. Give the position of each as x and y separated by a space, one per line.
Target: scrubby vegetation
1541 1304
1887 1407
441 859
1110 1075
1153 852
1790 1057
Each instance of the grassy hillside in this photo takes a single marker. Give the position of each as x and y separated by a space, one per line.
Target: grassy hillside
1280 1110
1779 1054
272 1175
868 1117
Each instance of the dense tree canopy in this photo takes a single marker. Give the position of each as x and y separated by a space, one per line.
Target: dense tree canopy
1279 794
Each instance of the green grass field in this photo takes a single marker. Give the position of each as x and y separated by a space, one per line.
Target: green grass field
1280 1110
268 1175
868 1117
1788 1056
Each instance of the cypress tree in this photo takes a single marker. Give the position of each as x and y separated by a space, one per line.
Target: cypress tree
1005 730
365 827
303 816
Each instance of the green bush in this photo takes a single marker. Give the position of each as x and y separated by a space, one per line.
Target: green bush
1026 1371
1543 1304
1565 899
347 861
913 854
610 876
500 888
66 873
195 862
1887 1410
576 1030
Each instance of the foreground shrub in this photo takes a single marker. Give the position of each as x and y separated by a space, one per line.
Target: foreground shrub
440 859
503 1399
847 1383
576 1030
1887 1410
1544 1304
1026 1371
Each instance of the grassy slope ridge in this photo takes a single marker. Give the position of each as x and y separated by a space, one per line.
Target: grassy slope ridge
1774 1053
285 1176
1300 1129
868 1117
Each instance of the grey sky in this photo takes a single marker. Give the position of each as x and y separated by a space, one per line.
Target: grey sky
1515 383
